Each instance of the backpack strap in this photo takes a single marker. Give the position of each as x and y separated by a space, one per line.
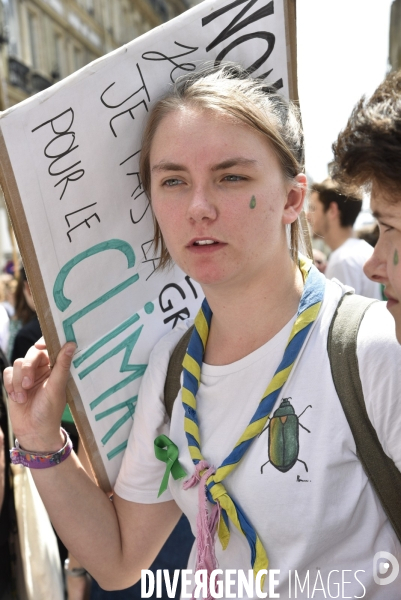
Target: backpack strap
174 369
342 349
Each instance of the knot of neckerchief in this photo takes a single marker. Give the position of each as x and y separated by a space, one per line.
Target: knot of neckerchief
210 480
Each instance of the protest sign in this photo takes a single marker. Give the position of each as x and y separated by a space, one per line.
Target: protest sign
69 171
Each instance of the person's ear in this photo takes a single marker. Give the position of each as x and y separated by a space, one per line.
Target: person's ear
295 199
333 211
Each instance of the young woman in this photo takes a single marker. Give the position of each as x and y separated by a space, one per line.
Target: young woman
222 163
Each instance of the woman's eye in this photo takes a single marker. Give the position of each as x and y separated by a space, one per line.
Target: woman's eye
172 182
233 178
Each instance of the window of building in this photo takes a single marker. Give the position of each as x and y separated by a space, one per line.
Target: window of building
90 7
58 62
33 39
11 22
77 58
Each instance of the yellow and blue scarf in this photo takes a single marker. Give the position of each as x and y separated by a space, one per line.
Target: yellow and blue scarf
228 508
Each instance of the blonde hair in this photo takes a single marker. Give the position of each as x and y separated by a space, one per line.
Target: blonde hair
230 91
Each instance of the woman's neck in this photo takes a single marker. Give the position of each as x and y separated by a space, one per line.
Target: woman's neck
246 318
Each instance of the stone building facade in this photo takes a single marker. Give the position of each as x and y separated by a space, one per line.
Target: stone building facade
43 41
395 36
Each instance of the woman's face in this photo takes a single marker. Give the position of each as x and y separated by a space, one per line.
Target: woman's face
220 198
384 266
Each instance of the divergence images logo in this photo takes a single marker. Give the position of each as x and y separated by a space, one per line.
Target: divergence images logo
385 568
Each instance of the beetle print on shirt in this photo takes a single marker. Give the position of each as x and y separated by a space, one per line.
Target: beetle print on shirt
283 441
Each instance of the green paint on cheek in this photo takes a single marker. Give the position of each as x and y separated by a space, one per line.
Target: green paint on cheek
395 258
252 203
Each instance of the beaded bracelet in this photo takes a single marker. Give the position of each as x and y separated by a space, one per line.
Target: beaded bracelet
34 460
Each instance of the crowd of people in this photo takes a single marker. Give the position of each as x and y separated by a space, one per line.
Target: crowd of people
274 475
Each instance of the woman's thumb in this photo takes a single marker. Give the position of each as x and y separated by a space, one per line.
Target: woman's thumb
62 366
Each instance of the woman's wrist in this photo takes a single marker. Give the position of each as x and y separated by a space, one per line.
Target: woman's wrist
45 444
41 460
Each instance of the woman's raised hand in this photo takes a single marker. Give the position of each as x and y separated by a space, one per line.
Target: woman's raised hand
38 396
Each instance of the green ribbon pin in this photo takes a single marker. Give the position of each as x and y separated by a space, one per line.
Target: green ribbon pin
167 452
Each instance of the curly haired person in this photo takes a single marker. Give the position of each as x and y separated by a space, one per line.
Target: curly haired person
368 155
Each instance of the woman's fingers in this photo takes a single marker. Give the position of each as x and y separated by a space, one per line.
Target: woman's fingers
29 372
8 380
24 375
34 359
17 394
40 344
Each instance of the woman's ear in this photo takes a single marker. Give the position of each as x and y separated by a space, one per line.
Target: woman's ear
295 199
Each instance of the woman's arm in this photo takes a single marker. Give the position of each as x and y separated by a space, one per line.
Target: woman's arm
112 540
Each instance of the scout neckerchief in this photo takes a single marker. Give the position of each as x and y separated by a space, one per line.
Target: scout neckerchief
226 508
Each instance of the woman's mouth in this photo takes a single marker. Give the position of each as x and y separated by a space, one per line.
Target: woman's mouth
204 245
205 242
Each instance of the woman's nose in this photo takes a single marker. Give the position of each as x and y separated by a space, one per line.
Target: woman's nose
201 205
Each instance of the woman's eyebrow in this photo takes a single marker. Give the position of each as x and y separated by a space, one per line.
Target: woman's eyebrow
226 164
233 162
168 166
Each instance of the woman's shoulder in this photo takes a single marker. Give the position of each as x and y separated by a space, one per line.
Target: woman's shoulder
163 349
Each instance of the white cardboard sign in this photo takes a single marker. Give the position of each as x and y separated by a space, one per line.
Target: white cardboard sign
69 171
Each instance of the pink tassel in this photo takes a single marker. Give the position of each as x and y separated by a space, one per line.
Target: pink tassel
206 524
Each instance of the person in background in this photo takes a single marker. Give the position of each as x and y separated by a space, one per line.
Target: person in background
367 155
4 323
319 260
2 468
7 556
24 326
7 293
332 215
5 575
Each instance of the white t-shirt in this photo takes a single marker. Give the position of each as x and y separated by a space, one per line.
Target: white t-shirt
320 516
346 265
